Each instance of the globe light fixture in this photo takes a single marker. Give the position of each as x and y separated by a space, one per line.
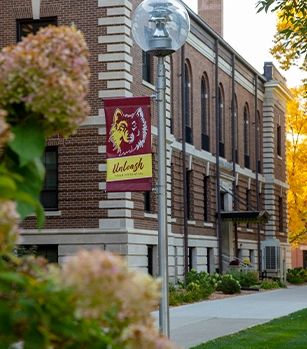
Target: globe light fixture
160 28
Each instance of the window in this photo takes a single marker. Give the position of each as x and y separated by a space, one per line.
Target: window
147 66
205 140
152 261
259 142
210 260
188 188
206 198
280 214
147 202
248 204
278 140
49 194
235 141
187 117
246 138
26 27
221 123
49 252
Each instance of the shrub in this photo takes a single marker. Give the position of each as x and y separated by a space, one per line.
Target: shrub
198 286
280 283
228 285
202 278
176 297
246 279
269 284
297 276
193 293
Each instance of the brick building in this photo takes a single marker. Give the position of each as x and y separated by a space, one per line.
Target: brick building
209 87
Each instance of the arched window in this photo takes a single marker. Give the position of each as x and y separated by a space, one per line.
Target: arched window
259 142
246 137
221 121
235 140
187 106
205 140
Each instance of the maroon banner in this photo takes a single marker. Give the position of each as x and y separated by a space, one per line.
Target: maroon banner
128 144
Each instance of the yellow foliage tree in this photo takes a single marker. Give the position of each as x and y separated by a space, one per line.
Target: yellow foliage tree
290 42
296 126
287 55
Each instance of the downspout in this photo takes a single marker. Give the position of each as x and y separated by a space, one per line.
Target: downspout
234 138
217 150
257 167
184 174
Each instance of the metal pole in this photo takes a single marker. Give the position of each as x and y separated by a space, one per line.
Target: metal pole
234 146
257 170
162 199
217 149
184 172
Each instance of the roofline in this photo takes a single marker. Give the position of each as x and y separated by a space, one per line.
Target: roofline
222 42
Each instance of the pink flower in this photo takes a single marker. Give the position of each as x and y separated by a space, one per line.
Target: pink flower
104 282
9 230
48 73
119 298
5 133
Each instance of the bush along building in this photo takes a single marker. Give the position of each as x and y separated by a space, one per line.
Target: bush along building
226 169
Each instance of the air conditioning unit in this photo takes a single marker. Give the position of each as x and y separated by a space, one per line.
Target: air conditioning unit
271 257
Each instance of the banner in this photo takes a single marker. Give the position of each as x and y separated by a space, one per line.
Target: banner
128 137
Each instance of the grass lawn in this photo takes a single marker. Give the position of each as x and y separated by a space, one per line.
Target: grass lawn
288 332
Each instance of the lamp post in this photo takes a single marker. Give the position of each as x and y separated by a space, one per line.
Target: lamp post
160 27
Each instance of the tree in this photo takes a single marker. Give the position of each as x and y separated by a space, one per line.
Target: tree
296 127
290 42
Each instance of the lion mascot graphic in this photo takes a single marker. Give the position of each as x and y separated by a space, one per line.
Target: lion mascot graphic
128 131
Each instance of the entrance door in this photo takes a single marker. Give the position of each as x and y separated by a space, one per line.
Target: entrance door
227 233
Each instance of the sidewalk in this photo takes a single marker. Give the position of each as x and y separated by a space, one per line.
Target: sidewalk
200 322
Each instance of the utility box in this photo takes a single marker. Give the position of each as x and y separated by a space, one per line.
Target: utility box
273 258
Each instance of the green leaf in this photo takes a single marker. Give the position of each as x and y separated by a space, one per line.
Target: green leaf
12 277
33 174
26 205
40 215
34 339
7 186
28 143
24 209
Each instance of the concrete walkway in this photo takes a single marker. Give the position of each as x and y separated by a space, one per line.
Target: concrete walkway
200 322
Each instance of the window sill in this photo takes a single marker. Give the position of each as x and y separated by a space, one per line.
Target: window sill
209 225
149 85
150 215
192 222
48 214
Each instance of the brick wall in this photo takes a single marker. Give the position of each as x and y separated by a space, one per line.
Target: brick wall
78 181
211 11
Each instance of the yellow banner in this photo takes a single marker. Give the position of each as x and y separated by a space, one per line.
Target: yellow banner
129 167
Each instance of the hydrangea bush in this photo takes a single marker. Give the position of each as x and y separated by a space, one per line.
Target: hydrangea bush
45 77
93 301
